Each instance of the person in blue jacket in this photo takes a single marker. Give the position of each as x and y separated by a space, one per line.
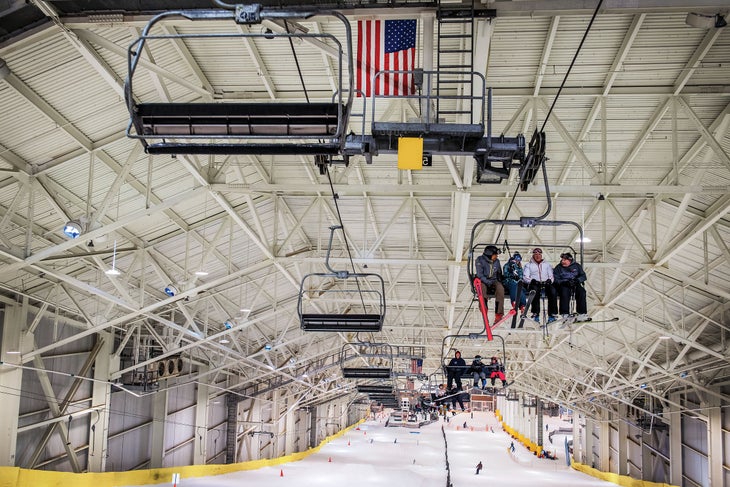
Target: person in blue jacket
512 274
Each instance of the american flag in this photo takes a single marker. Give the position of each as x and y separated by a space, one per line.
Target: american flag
385 45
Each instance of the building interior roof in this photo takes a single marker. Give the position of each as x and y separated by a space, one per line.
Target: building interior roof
638 147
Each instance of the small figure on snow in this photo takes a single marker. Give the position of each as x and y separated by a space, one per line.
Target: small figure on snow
479 467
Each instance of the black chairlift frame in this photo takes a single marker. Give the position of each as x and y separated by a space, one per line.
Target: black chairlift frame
494 155
241 128
355 322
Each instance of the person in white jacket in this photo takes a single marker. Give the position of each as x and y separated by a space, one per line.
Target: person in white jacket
538 275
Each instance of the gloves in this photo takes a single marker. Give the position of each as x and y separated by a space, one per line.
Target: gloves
574 282
534 282
549 282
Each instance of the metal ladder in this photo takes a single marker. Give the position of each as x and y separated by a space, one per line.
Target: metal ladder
456 32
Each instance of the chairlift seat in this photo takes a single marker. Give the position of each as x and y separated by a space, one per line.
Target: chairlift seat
234 119
374 389
192 123
346 322
366 372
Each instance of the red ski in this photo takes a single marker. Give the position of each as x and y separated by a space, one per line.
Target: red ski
483 307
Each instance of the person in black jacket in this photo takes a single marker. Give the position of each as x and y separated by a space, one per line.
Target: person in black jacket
479 371
569 278
489 271
454 371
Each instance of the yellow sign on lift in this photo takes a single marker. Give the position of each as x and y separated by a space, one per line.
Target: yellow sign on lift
410 153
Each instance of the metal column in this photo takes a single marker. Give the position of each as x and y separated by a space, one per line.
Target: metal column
105 364
200 442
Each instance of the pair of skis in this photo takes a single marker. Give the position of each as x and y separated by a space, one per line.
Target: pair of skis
572 319
490 390
512 314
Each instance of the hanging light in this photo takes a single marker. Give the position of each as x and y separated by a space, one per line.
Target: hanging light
113 271
73 228
201 273
170 290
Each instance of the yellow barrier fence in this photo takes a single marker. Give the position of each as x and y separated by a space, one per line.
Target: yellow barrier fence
22 477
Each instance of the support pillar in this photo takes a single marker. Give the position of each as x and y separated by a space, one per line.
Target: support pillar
622 445
200 441
538 422
157 437
290 430
12 345
277 448
105 364
604 436
675 440
588 450
577 439
715 441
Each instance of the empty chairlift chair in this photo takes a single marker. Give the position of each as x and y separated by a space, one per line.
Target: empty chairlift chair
241 127
361 294
370 361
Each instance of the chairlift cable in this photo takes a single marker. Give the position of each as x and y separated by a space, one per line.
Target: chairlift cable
466 314
296 60
550 111
344 234
567 73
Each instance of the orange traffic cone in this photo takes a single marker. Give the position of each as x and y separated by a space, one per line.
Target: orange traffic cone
281 473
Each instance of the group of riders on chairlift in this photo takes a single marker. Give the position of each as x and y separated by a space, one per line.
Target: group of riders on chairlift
564 281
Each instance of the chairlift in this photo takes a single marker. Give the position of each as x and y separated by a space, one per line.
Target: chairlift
241 127
362 293
471 345
476 248
378 358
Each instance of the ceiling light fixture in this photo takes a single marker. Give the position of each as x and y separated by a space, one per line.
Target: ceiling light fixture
267 346
170 290
201 273
228 324
113 271
73 228
224 340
